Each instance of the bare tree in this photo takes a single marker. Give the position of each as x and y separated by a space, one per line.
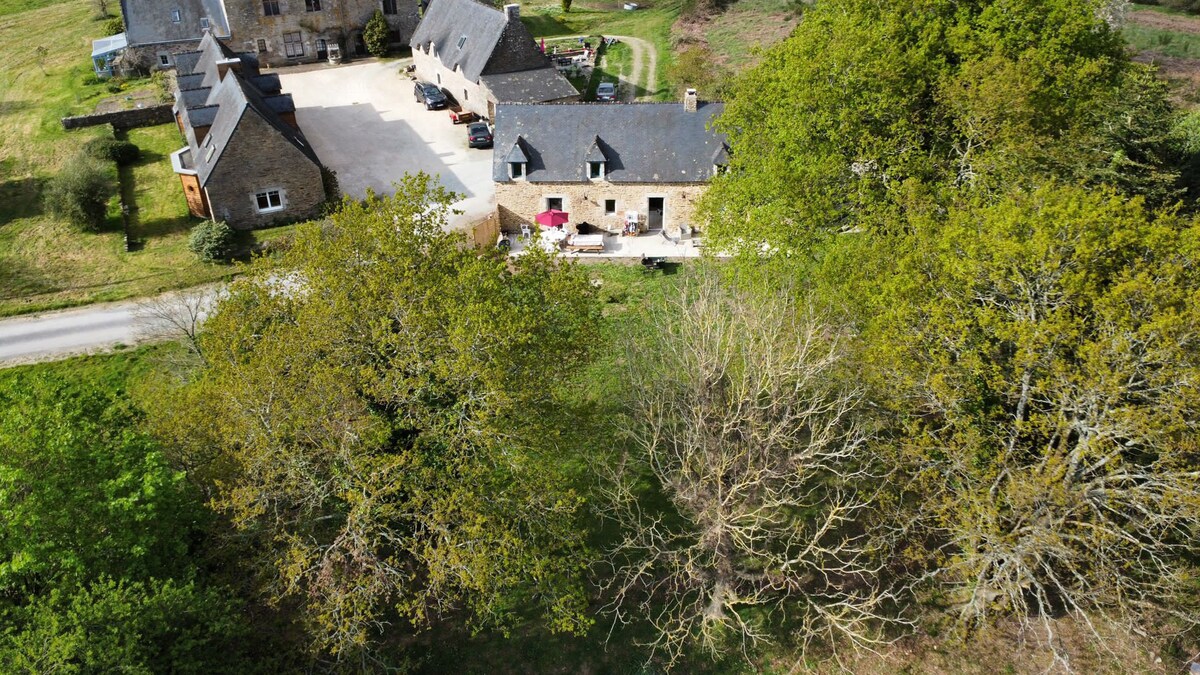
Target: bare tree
737 417
177 317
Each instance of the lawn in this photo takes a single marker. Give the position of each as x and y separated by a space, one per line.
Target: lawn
651 23
44 263
1161 41
736 35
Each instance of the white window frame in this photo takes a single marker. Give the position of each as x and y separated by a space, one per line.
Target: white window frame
561 198
516 174
607 212
176 16
298 44
164 59
312 5
600 174
280 197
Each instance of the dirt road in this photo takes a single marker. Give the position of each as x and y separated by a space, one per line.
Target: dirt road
644 72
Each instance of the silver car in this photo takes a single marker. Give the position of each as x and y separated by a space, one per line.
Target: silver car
606 92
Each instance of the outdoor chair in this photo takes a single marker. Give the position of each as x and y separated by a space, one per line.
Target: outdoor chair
525 232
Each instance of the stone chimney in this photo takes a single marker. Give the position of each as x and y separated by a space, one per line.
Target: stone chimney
689 100
512 12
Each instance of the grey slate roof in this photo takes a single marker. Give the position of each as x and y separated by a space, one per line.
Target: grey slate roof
226 101
642 142
149 22
530 86
493 44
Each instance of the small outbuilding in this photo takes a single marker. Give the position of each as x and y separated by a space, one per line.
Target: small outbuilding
105 51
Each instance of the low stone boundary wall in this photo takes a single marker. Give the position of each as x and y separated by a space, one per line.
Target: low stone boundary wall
123 119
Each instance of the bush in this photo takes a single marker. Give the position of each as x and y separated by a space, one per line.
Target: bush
80 194
566 6
110 149
213 241
375 34
114 25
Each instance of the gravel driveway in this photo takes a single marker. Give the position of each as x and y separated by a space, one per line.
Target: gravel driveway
364 124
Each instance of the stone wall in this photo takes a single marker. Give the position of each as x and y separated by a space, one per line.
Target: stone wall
143 59
123 119
519 201
470 95
338 22
258 158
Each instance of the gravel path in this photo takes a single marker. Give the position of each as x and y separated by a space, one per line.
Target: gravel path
644 70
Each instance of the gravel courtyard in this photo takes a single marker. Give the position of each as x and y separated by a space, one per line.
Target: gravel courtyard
364 124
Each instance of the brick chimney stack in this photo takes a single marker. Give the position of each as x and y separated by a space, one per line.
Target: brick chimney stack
689 100
512 12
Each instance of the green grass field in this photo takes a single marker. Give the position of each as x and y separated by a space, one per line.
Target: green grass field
44 263
651 23
1165 42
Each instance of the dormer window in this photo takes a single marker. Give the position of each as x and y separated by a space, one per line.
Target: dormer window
203 23
596 170
516 170
517 159
597 160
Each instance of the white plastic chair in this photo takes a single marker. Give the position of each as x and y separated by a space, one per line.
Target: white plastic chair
525 232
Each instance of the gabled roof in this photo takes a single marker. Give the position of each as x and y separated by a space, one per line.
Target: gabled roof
596 153
226 100
516 154
490 42
149 22
641 142
530 86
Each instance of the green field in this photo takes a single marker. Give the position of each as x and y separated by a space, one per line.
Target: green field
1165 42
44 263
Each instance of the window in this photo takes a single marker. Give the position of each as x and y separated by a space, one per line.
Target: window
465 97
268 200
204 23
262 44
516 170
175 16
610 207
164 59
292 46
389 6
555 203
439 76
312 5
270 7
461 41
595 170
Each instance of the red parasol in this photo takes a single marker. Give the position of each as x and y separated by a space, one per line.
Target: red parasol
552 218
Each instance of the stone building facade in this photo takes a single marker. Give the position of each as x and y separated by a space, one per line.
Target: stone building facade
246 161
601 162
484 56
280 32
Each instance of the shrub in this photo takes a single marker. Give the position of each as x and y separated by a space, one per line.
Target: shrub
79 194
114 25
121 152
566 6
213 241
375 34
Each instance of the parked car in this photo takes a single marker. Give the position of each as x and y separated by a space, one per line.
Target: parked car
429 96
479 135
606 92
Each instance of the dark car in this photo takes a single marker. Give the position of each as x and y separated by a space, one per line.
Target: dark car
479 135
606 92
430 96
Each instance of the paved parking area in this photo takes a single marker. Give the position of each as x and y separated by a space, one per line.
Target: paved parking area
364 124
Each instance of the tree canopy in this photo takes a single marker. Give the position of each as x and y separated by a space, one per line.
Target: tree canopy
381 406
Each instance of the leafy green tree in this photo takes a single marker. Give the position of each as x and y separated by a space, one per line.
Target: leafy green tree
375 34
84 492
381 409
873 108
129 627
1042 354
79 194
213 241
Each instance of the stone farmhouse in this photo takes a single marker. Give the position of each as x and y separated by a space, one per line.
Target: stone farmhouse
601 162
484 56
246 161
280 32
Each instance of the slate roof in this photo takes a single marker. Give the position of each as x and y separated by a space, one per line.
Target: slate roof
223 102
530 86
641 142
493 45
149 22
